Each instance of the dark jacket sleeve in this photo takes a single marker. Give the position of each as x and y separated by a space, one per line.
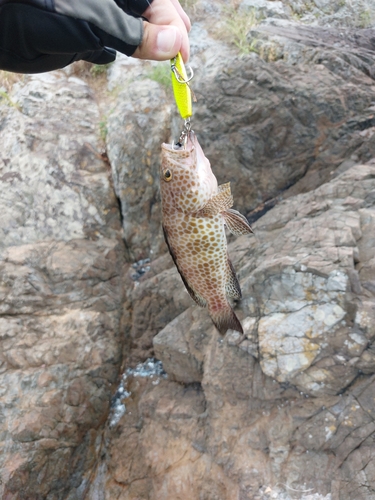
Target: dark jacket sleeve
42 35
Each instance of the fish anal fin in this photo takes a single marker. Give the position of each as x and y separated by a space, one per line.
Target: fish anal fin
232 286
194 295
225 319
236 222
218 203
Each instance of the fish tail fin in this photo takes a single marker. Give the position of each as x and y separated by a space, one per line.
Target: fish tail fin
225 319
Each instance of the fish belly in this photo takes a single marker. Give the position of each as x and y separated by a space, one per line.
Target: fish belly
200 249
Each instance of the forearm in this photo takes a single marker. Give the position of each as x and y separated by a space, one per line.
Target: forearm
35 39
41 35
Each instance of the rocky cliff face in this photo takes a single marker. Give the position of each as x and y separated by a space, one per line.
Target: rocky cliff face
292 402
89 296
61 266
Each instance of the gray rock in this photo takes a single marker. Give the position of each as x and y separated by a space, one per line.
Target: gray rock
176 346
291 403
136 130
263 8
268 122
334 13
61 261
285 411
54 182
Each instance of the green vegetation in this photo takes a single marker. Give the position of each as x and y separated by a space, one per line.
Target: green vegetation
103 128
239 24
235 27
270 52
298 14
365 19
5 97
99 69
161 73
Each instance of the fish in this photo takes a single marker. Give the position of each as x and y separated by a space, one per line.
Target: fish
195 210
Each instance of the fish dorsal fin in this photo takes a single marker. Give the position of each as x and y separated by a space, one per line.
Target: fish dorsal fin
220 202
236 222
195 296
232 287
225 188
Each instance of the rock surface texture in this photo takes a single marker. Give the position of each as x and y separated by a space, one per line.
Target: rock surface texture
89 296
297 105
293 401
61 259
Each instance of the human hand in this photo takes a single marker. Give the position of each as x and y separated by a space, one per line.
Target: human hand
36 38
166 33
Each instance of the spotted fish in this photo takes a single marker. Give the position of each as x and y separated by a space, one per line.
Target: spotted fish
195 210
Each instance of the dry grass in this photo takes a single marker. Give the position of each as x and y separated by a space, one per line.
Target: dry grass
235 26
7 80
95 76
189 6
90 73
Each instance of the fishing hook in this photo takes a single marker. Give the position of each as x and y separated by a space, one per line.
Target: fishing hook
184 135
178 76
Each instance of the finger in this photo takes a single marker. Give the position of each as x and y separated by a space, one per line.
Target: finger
164 13
180 11
160 43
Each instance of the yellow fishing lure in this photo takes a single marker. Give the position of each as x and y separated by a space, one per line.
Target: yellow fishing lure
181 89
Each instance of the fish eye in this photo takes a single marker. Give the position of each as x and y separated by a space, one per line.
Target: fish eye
167 175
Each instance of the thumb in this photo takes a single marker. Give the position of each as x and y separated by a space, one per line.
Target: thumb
159 43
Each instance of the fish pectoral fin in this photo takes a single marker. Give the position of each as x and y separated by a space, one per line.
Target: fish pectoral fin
194 295
220 202
232 286
236 222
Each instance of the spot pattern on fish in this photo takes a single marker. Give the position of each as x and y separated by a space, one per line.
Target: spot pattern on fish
194 210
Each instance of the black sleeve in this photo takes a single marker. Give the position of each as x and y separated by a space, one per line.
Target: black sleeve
38 35
133 7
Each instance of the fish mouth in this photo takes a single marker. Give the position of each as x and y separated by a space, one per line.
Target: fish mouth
191 140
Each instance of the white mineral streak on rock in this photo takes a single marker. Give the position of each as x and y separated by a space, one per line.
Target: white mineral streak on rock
151 368
289 342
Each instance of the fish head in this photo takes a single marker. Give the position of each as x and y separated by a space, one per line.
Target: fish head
186 178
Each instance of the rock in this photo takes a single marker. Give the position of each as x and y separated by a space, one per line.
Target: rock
282 118
62 190
263 8
291 404
331 13
256 106
134 153
285 411
61 262
178 352
150 303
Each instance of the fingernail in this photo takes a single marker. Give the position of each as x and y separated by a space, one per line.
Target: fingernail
166 40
